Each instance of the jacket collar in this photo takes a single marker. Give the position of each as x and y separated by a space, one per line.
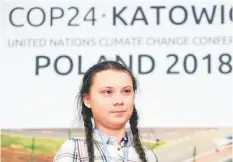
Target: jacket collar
111 140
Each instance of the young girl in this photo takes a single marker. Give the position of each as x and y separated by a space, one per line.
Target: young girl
107 96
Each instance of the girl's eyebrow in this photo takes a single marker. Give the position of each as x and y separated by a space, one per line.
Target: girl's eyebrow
128 87
106 87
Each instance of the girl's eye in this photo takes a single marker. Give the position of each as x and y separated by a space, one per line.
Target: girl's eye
107 91
127 91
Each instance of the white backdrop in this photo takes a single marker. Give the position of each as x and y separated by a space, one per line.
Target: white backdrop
41 39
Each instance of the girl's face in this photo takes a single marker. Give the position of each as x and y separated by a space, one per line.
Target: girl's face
111 98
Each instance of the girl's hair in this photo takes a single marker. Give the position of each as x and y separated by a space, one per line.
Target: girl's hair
86 113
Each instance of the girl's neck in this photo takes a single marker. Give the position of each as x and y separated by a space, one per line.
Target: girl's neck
118 133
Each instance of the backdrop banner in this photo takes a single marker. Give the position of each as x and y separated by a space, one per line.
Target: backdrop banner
180 53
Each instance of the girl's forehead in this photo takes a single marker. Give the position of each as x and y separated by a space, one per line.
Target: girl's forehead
112 78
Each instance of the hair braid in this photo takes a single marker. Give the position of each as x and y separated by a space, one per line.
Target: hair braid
136 140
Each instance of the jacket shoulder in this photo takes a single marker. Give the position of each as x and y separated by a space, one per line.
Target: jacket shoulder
150 154
68 150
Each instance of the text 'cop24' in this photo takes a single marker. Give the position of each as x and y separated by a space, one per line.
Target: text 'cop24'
76 16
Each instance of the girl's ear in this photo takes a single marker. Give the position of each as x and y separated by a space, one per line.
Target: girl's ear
87 101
